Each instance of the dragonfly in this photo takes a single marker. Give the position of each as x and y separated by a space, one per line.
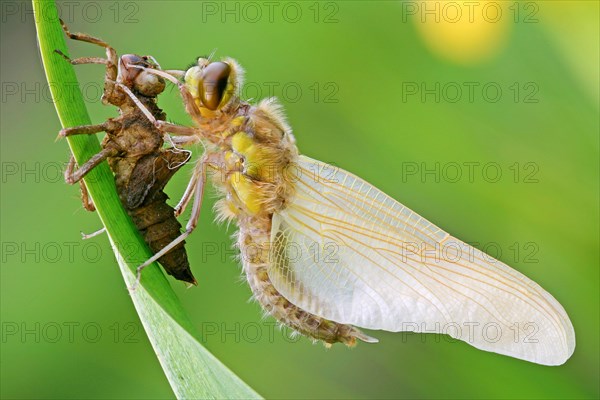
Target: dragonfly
134 150
328 254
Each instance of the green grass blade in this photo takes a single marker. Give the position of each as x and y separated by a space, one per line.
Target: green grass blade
192 371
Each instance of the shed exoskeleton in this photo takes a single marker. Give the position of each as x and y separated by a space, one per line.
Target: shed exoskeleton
134 149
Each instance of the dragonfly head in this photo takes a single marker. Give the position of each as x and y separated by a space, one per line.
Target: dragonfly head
139 80
214 84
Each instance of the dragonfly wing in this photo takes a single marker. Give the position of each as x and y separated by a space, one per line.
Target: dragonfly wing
346 251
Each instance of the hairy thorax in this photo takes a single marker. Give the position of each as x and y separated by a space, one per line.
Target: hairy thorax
251 170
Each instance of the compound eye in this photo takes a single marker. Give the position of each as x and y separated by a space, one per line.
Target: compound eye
128 74
214 84
132 59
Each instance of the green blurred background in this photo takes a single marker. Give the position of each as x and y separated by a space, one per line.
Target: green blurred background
352 77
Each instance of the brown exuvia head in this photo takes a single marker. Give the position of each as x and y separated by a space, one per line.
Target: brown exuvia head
138 80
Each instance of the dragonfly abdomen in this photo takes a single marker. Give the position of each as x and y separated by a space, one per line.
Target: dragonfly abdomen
140 183
162 230
254 245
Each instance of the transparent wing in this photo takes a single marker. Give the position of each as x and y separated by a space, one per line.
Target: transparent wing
345 251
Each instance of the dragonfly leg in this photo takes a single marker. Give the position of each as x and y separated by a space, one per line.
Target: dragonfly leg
87 129
177 73
188 194
180 130
85 197
189 190
82 60
111 54
163 126
86 200
72 175
181 140
86 236
75 176
111 61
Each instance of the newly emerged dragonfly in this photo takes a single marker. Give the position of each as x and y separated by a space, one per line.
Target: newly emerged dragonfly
324 251
134 150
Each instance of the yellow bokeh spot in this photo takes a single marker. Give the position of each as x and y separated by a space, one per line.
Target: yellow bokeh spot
463 32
